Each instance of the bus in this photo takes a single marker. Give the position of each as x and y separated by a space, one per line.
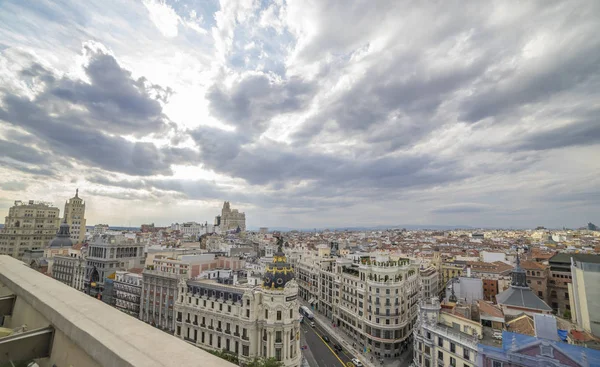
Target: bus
307 312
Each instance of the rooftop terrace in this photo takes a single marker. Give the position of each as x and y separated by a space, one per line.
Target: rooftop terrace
65 327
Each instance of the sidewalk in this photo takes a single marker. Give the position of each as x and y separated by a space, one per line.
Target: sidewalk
347 343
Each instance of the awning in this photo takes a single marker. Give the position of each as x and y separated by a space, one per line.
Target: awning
311 301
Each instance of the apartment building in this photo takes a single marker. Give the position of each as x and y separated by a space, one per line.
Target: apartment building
429 282
28 226
445 337
537 278
241 319
160 279
492 275
127 290
372 298
69 269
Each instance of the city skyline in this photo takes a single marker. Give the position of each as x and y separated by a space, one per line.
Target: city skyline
303 115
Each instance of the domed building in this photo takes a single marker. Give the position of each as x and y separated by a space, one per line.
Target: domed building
279 272
63 237
245 320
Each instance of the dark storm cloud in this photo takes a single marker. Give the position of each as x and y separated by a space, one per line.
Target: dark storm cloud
576 134
273 163
251 102
22 152
191 189
112 100
66 135
566 72
77 120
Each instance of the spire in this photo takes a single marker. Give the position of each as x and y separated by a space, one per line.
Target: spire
77 192
519 276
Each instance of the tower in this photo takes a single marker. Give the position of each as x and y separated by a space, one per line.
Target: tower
75 217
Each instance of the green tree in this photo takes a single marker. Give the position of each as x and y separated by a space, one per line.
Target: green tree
567 315
265 362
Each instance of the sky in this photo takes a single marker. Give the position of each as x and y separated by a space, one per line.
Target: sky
304 113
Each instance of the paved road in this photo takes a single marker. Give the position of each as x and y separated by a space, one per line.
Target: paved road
320 353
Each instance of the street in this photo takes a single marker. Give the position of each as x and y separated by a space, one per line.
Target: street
320 353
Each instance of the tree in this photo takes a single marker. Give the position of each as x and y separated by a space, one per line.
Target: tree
265 362
592 227
567 314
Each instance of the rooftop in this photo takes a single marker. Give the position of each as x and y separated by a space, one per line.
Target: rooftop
87 332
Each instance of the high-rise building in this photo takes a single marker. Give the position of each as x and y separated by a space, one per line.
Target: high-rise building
230 219
242 319
75 217
28 226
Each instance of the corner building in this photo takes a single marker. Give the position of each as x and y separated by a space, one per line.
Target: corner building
372 298
246 321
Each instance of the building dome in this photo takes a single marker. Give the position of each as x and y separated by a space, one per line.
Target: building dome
279 272
63 237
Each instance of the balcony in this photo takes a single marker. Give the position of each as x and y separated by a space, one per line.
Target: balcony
81 332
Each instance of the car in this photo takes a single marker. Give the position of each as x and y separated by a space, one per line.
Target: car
356 362
326 339
497 334
312 323
338 347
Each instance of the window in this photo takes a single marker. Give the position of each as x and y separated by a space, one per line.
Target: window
540 294
266 314
245 350
496 364
466 354
440 342
291 313
428 335
440 355
247 313
452 348
452 361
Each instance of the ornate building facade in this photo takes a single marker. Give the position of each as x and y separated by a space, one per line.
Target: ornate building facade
244 320
230 219
372 298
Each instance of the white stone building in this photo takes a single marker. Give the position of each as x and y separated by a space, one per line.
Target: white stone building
69 269
444 338
246 321
373 298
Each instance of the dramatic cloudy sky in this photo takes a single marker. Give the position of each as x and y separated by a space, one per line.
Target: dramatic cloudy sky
304 113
